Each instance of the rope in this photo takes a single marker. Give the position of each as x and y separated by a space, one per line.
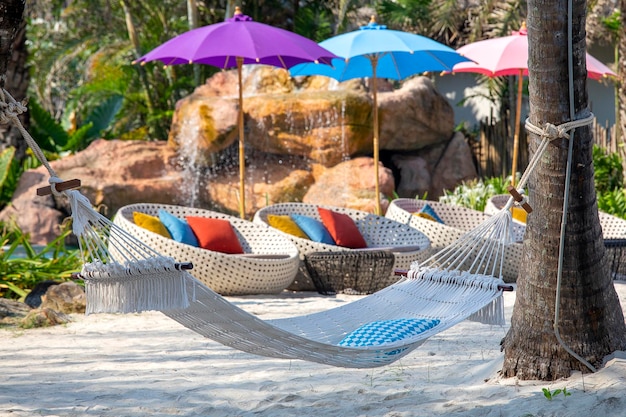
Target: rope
548 133
568 175
10 109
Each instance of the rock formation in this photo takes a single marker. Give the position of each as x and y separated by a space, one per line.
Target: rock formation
307 139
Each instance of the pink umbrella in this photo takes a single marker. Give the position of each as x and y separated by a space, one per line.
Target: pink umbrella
233 43
508 55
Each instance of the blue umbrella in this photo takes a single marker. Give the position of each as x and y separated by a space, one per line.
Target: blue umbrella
374 52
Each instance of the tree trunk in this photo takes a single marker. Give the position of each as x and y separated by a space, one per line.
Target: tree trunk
13 72
591 321
621 73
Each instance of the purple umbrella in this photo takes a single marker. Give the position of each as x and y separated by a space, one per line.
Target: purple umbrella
233 43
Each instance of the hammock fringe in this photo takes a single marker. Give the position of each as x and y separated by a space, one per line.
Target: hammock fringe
118 289
114 288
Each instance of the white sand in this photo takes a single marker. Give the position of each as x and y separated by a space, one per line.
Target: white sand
148 365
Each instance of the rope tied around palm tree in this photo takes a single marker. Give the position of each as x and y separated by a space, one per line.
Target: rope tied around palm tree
548 133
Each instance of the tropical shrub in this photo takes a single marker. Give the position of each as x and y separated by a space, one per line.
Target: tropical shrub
609 182
608 170
22 266
474 194
11 170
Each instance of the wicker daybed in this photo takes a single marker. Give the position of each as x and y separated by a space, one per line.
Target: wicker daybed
269 263
380 234
457 221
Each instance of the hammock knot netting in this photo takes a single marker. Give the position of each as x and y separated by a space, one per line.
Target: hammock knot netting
123 274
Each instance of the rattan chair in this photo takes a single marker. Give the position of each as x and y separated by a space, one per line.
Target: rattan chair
350 272
496 203
613 231
457 221
406 244
269 263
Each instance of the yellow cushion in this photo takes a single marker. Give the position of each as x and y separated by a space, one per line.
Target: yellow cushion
519 214
285 223
425 216
150 223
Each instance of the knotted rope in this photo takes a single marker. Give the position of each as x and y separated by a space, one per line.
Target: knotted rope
10 109
548 133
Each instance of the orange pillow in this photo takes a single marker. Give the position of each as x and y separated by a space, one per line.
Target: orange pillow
342 228
215 234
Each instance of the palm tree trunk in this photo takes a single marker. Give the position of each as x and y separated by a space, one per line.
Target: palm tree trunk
591 321
132 36
13 72
621 73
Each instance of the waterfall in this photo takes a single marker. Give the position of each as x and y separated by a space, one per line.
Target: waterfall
188 158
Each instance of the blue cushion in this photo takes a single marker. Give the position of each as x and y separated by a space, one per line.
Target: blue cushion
431 212
314 229
378 333
178 228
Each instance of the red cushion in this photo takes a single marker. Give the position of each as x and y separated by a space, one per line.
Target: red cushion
342 228
215 234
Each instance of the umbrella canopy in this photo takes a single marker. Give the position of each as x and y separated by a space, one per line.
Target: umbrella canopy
508 55
236 42
376 52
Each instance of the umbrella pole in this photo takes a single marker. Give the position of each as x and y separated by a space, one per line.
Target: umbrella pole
520 84
376 142
242 159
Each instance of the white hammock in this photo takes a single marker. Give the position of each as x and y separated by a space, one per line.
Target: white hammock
123 274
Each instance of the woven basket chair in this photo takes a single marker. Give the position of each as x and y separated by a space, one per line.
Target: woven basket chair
496 203
268 266
457 221
378 232
613 231
350 272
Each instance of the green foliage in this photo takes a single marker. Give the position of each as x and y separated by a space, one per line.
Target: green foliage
609 182
9 175
475 194
81 57
49 135
613 202
314 22
6 157
23 266
613 23
550 395
52 137
11 170
405 14
608 170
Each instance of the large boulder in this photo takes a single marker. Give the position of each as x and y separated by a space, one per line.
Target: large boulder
113 173
351 184
269 179
314 117
414 117
434 169
307 139
325 127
